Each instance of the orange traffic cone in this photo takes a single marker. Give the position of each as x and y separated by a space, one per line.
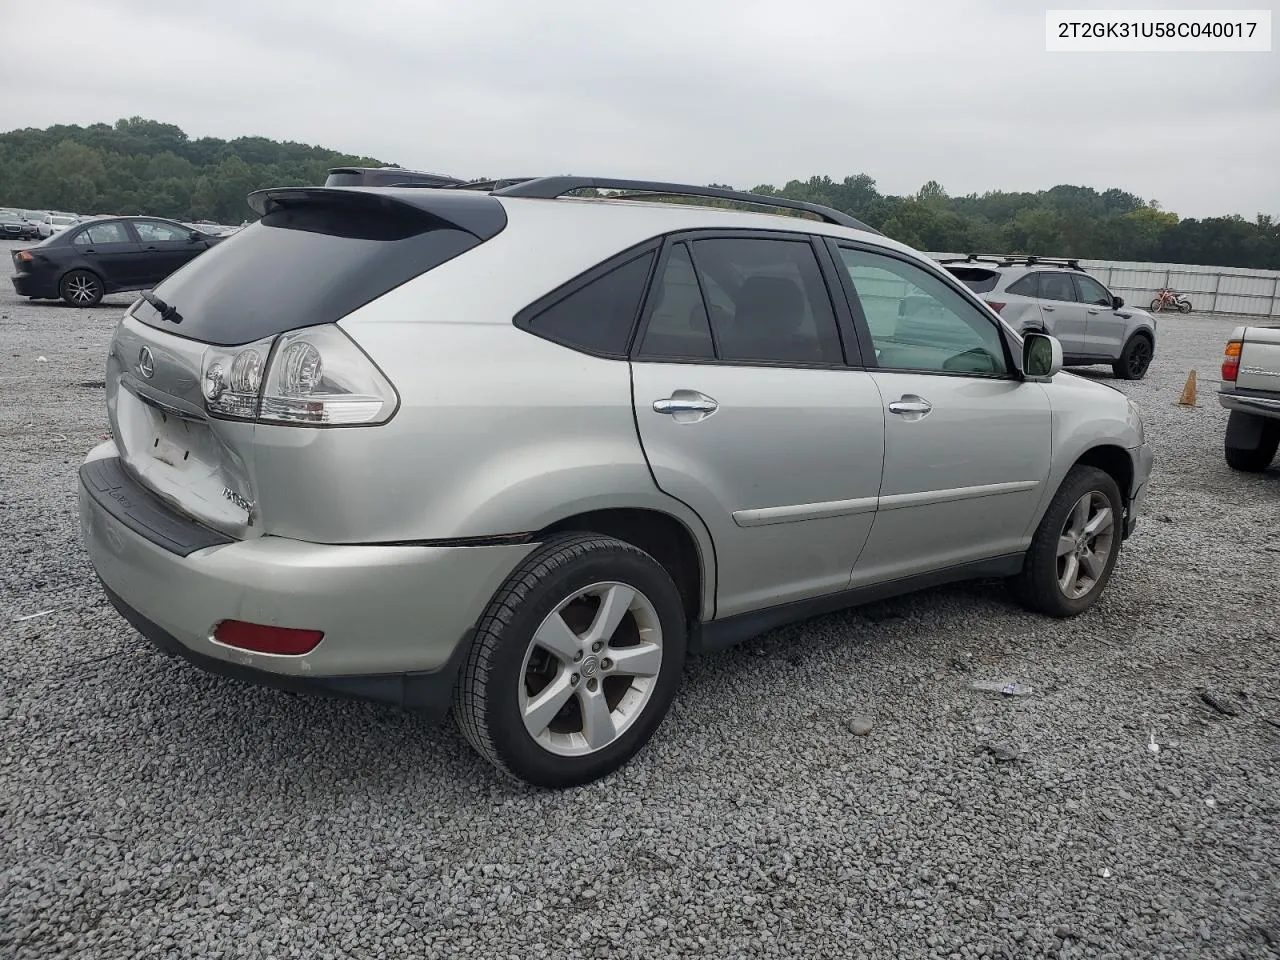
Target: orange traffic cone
1188 398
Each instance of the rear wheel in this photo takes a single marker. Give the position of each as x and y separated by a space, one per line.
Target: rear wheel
1134 359
1075 547
1260 442
81 288
1185 306
574 663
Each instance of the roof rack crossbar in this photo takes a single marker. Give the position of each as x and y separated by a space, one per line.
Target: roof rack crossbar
550 188
1009 259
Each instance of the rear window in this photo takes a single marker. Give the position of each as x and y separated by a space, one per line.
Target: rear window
976 278
305 263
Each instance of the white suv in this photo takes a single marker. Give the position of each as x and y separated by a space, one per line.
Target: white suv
1059 298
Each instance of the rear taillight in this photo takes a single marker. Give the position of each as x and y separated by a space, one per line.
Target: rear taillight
1231 360
311 377
995 305
260 638
25 256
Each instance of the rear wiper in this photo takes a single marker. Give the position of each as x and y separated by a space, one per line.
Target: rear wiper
166 312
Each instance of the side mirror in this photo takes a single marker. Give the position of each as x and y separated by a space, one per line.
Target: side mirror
1041 356
1117 303
196 236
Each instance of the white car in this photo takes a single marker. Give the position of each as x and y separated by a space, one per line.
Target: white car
58 222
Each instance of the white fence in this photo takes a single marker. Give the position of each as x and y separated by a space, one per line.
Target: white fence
1253 293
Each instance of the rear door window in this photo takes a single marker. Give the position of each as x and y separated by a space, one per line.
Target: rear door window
114 232
153 231
767 301
1057 286
678 326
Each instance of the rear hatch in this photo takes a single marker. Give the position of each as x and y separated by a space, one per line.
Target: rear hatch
1260 360
316 255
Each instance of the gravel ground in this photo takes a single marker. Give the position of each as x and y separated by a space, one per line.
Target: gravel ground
148 809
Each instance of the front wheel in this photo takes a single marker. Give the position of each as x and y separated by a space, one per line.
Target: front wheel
574 663
80 288
1075 547
1156 306
1134 359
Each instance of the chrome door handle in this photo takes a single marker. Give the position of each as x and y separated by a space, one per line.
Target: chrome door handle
911 406
686 406
1048 309
1094 313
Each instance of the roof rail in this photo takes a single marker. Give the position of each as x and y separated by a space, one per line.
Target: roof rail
1009 259
550 188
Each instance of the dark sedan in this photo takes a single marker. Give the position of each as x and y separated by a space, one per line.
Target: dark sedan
107 255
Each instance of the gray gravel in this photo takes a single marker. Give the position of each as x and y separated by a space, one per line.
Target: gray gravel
835 789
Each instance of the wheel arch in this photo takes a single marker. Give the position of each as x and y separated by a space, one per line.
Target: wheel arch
687 557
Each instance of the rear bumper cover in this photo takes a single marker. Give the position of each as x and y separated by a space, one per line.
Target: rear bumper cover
428 692
396 619
30 285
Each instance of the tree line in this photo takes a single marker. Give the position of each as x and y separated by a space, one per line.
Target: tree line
143 166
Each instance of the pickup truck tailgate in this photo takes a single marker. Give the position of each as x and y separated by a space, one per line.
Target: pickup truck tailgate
1260 359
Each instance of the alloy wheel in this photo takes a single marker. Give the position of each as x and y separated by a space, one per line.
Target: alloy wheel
1085 545
83 289
590 669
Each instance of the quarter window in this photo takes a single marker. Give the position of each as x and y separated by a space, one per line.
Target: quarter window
1026 287
598 316
918 322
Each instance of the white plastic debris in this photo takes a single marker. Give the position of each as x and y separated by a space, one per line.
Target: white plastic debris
42 359
1152 746
32 616
1009 688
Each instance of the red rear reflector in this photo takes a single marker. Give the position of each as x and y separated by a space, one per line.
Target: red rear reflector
264 639
997 307
25 256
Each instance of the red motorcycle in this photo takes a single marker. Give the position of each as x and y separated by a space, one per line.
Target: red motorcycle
1167 299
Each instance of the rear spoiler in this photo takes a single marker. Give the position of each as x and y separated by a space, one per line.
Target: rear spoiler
479 214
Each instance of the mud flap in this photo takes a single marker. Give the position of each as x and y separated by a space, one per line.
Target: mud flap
1245 431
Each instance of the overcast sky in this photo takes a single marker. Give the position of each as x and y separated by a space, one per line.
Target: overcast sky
732 91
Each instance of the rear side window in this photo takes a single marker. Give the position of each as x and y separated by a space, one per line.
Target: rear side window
975 278
678 325
598 315
308 261
1025 287
768 301
103 233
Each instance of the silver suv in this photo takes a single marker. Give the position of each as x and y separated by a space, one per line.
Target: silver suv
1059 298
504 450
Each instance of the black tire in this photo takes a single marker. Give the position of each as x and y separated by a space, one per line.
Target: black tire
1135 358
1156 305
487 693
1257 458
81 288
1185 306
1037 587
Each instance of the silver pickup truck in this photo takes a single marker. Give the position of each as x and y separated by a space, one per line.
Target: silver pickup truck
1251 391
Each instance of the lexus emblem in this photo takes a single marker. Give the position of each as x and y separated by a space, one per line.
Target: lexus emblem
146 363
